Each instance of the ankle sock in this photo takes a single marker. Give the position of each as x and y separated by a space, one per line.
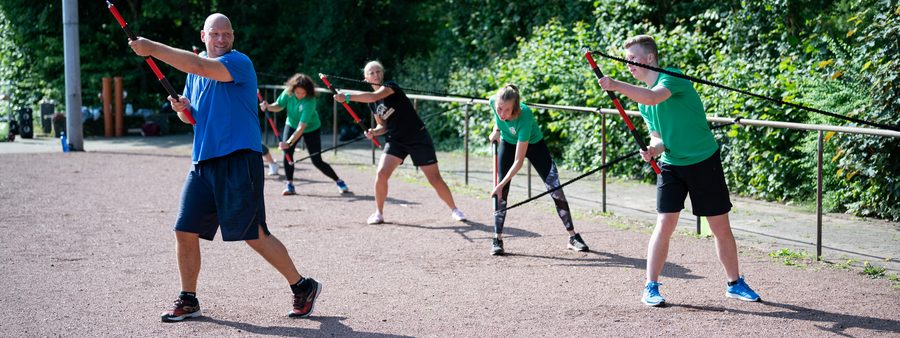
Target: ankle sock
300 286
190 297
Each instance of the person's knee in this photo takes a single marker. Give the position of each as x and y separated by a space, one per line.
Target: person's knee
667 222
186 237
720 226
382 176
435 179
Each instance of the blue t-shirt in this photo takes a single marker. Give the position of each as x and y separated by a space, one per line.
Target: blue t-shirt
225 112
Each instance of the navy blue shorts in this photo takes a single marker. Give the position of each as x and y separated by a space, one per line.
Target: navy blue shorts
704 181
420 149
225 191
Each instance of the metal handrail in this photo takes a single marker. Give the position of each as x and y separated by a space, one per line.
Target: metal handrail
742 121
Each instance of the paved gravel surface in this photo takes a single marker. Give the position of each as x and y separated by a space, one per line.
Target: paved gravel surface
89 251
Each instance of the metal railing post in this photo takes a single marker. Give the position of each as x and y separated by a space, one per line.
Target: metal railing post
466 142
603 156
819 198
265 123
334 136
416 109
372 125
528 163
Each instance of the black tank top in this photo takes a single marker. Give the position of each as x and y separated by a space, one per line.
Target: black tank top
399 117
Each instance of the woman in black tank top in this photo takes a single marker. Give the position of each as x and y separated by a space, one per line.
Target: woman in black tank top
406 136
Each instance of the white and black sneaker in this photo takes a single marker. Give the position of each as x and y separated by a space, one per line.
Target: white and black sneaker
497 247
577 244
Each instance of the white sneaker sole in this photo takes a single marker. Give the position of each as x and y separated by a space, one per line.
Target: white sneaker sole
573 248
662 303
196 314
736 296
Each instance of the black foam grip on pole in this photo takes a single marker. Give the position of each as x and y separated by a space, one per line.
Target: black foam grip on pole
331 148
495 199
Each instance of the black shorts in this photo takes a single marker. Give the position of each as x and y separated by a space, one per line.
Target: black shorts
420 149
224 191
704 181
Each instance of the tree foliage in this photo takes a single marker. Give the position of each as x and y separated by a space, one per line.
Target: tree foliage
835 55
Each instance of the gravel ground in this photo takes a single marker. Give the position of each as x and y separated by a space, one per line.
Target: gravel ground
89 251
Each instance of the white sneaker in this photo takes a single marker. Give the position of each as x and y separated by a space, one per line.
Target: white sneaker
376 218
458 215
273 169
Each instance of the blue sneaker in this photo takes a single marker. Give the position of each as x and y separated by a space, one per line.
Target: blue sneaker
742 291
288 190
342 186
651 295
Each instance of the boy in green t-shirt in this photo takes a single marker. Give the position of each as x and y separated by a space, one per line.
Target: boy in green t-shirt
690 164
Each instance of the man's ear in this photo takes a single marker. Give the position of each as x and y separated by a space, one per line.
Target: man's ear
203 36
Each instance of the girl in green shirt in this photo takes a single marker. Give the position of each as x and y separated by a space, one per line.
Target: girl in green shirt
302 121
522 138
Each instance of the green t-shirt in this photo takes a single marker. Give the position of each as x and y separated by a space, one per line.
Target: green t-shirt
522 129
300 110
681 121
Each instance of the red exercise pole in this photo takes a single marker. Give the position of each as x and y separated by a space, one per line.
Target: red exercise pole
159 75
637 138
274 129
349 110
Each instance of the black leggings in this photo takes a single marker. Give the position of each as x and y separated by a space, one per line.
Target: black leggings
539 156
313 143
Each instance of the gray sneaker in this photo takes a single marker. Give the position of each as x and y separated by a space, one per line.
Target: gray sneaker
577 244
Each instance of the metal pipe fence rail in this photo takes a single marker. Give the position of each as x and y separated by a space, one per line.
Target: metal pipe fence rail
270 92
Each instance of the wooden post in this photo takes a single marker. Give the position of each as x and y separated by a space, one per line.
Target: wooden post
105 98
120 118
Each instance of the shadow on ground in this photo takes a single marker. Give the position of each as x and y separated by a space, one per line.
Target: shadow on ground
466 227
834 322
330 326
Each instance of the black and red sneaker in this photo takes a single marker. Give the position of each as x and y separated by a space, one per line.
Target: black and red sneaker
305 301
182 310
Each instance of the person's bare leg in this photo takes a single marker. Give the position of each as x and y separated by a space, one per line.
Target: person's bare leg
187 250
726 248
276 254
385 169
658 248
433 174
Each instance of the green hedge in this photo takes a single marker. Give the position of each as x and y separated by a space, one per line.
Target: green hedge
843 60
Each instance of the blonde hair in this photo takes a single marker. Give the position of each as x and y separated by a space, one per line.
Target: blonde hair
510 93
372 63
648 45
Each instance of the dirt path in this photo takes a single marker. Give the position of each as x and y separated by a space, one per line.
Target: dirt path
89 252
